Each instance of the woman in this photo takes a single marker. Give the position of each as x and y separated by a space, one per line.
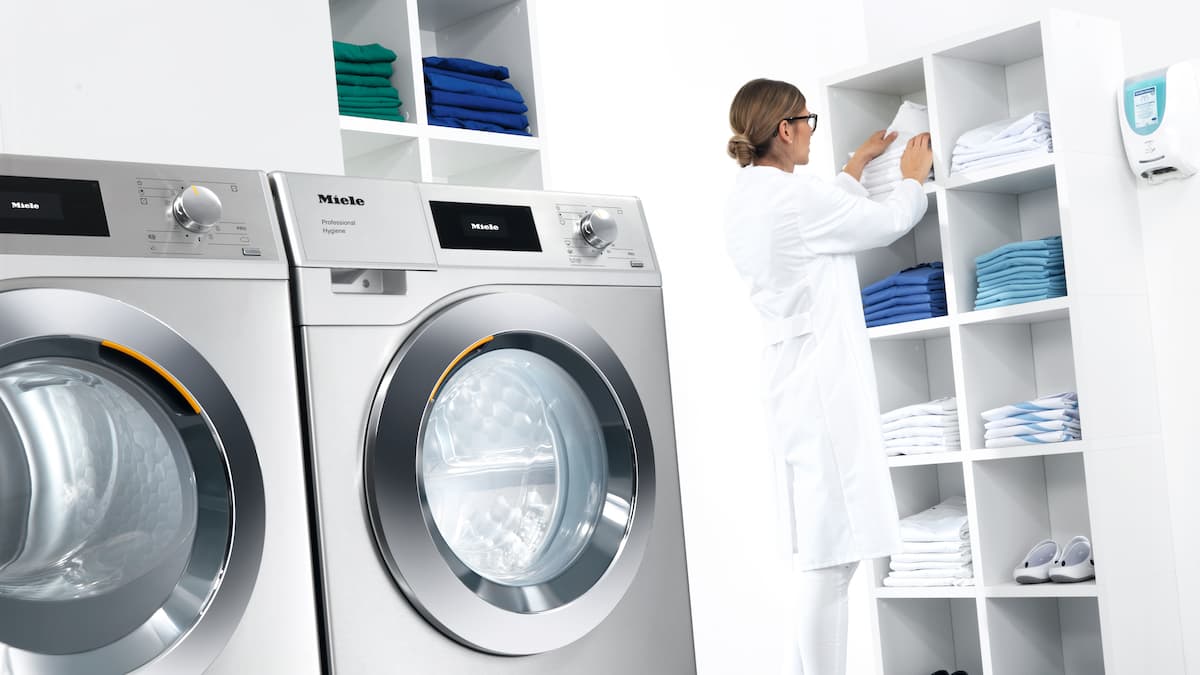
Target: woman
793 237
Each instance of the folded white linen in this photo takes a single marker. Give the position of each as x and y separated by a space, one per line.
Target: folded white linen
962 572
942 406
945 522
957 558
935 546
903 566
922 421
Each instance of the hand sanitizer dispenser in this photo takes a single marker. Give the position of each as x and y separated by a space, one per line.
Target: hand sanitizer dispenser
1160 122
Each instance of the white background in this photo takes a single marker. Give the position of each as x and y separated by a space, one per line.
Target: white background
635 100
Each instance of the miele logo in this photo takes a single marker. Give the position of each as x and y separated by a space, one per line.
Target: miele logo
32 206
346 201
485 226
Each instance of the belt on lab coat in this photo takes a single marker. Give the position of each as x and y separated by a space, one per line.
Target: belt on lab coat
785 328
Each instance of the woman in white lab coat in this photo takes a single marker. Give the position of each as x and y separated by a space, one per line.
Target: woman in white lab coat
793 238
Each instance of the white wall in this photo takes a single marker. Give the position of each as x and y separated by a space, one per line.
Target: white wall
636 101
221 83
1154 36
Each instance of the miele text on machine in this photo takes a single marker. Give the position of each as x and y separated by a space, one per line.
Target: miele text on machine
344 201
27 205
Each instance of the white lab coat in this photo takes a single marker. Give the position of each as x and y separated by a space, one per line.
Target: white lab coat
793 238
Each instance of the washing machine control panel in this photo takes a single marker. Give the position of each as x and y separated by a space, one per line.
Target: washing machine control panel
519 228
51 206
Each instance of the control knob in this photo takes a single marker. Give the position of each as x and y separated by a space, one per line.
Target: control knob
196 209
599 229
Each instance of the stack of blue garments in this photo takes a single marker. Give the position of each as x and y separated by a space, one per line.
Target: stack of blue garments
363 87
915 293
470 94
1049 419
1021 272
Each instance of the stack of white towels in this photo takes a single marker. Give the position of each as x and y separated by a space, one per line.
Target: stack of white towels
1050 419
922 428
882 173
936 548
1002 142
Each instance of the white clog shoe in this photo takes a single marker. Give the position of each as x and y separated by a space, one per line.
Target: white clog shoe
1076 563
1035 569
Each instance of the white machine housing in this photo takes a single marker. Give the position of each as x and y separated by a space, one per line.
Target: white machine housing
1162 144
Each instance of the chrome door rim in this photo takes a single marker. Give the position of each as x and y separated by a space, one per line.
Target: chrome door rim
214 590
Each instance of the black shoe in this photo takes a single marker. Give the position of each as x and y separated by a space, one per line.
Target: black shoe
940 672
959 672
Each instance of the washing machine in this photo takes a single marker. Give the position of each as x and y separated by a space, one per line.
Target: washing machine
153 510
490 428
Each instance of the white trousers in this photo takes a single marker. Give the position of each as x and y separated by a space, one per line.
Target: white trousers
821 620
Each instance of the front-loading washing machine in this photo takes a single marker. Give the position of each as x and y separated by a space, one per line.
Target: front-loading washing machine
490 428
152 492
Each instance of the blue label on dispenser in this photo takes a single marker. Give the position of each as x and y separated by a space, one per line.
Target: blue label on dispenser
1145 101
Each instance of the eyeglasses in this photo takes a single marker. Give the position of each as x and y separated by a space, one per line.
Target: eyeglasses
812 121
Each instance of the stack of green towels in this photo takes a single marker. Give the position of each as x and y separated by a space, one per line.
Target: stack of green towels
363 87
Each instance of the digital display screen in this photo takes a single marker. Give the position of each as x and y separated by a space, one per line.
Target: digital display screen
51 206
485 227
1145 107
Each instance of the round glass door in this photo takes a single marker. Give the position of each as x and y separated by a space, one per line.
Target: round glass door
514 468
100 488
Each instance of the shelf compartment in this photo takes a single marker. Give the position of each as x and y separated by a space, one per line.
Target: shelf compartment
919 487
924 635
380 153
386 23
981 222
1048 636
488 31
1022 501
985 81
913 371
1004 363
863 103
499 164
922 244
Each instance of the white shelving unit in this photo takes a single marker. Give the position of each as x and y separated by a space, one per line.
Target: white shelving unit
492 31
1095 342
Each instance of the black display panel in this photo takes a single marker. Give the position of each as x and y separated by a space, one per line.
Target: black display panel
51 206
485 227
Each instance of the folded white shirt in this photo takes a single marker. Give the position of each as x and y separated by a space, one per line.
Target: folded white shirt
961 572
1064 401
1001 160
957 558
922 421
1035 417
942 406
922 432
1031 428
906 567
999 131
935 547
897 450
1032 439
945 522
1008 147
931 582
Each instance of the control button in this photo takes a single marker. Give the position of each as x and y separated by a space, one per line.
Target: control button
196 209
599 229
252 252
636 263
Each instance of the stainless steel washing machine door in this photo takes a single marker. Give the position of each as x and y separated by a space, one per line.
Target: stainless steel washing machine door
131 499
510 474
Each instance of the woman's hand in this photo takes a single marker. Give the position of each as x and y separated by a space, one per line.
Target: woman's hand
873 147
917 159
